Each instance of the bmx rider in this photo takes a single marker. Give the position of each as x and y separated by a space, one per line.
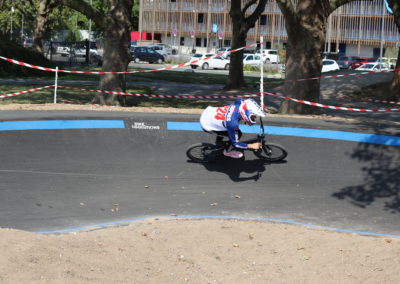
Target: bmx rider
224 121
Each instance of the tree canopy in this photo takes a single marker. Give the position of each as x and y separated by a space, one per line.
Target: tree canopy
60 18
306 22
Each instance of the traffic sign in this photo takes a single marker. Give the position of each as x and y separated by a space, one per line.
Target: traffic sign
388 8
214 28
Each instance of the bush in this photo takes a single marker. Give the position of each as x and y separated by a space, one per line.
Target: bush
13 50
247 67
268 68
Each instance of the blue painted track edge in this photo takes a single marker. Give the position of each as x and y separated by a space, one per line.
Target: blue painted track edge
207 217
300 132
60 124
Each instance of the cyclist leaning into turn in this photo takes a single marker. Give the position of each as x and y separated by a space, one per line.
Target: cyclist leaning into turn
224 121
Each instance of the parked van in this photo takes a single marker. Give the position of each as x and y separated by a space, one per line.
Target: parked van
162 49
346 61
269 55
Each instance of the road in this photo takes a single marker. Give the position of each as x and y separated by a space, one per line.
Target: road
54 179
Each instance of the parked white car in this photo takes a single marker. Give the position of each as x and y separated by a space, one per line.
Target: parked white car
82 52
225 50
199 57
251 59
392 63
373 66
65 51
329 65
218 62
269 55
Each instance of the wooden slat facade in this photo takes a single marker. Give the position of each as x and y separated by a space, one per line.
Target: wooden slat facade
358 23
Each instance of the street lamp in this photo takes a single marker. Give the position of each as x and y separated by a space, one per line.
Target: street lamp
382 34
193 31
90 25
22 26
11 29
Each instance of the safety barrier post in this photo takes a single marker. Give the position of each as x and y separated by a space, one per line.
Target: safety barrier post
262 72
55 86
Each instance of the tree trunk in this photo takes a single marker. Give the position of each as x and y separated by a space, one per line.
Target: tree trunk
242 21
395 86
303 60
306 38
45 7
236 78
116 51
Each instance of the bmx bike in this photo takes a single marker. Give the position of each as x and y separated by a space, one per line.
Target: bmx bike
206 152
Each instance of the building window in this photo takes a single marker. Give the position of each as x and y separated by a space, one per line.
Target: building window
173 0
227 42
200 18
263 20
205 42
198 41
182 40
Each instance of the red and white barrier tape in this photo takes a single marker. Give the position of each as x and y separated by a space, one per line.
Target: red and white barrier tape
279 95
369 100
25 92
159 96
122 72
233 97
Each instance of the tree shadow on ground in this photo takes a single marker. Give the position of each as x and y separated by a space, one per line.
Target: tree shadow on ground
382 177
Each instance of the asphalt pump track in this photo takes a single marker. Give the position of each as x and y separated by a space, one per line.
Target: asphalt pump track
64 170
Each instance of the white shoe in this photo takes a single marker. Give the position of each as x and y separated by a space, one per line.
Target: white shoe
233 154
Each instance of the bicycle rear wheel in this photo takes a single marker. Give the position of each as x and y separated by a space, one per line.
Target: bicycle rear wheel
203 152
271 152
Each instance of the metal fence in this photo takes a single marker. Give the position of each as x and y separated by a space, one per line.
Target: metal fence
74 53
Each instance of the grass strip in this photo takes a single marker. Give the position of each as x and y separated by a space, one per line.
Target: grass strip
81 97
170 75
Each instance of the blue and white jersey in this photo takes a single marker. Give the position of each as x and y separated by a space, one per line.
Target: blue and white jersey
224 119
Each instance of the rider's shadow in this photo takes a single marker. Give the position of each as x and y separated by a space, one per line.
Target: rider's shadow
237 169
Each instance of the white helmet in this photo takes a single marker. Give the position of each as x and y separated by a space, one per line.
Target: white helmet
249 110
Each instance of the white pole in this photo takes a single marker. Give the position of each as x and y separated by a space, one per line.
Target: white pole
262 72
55 86
382 35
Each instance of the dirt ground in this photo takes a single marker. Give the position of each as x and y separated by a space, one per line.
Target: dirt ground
170 250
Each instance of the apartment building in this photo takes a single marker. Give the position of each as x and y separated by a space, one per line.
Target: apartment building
358 28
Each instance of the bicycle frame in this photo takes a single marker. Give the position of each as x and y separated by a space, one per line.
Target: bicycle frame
260 137
262 134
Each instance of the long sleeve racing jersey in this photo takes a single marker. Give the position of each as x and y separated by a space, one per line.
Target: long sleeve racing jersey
224 119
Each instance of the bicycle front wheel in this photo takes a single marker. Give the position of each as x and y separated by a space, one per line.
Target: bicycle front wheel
271 152
203 152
